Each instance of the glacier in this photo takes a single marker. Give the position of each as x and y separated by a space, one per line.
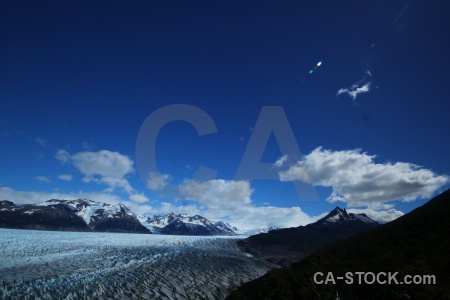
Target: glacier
94 265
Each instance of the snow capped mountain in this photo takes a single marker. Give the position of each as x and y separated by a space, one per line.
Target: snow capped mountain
72 215
101 216
88 215
31 216
90 211
185 225
339 217
284 246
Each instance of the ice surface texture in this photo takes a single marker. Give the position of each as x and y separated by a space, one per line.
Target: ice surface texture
77 265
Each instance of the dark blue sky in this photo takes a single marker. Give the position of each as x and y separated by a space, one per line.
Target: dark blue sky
80 77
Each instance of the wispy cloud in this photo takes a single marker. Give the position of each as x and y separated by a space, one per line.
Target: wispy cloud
41 142
359 181
86 145
139 197
42 179
63 156
362 86
281 161
217 192
66 177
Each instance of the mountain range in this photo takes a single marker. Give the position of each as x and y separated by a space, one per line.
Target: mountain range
88 215
183 224
70 215
284 246
415 244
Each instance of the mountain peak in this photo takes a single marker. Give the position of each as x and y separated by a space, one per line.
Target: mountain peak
341 216
74 215
183 224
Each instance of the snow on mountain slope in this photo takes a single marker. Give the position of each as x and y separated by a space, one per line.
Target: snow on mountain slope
288 245
340 216
90 210
102 216
184 224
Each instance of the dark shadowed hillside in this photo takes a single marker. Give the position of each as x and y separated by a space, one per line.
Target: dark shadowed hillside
55 217
284 246
415 244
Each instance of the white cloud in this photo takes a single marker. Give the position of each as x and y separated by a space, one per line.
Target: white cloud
42 178
63 156
139 208
140 198
243 216
157 181
167 208
358 180
231 200
360 87
66 177
355 90
104 163
104 167
217 192
265 216
113 183
281 161
378 215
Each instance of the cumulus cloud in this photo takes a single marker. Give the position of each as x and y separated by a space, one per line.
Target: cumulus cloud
104 163
360 87
359 181
66 177
243 216
42 178
190 209
157 181
252 217
217 192
104 167
231 200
